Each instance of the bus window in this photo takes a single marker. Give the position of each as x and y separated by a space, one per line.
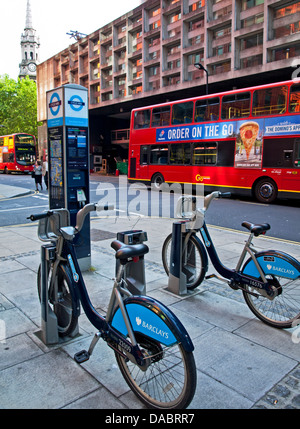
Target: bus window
142 119
269 101
207 110
236 105
294 105
182 113
144 155
180 154
205 154
159 155
160 116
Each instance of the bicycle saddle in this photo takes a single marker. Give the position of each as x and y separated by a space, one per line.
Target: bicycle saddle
256 229
124 251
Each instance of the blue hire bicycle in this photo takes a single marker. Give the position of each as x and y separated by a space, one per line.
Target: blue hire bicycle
152 348
269 280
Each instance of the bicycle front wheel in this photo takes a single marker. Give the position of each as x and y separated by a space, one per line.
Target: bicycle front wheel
66 305
281 312
193 262
169 381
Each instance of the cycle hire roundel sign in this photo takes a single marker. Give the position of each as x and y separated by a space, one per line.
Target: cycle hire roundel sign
55 108
76 107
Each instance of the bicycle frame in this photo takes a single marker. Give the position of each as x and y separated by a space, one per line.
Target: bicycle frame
235 276
118 322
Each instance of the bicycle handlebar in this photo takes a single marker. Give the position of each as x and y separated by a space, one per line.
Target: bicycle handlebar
87 209
80 215
208 199
39 216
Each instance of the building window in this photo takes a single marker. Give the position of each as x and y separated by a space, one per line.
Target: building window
196 58
174 17
221 67
222 49
197 5
221 32
255 60
252 20
173 64
285 53
251 41
196 23
222 12
248 4
287 10
287 30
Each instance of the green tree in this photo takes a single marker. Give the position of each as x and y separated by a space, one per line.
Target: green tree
18 106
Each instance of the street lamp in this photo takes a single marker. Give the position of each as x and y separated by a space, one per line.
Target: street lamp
199 66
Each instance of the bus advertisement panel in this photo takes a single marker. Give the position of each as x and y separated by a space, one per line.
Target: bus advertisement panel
17 153
245 141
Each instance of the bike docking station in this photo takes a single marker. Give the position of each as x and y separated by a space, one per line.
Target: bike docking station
177 277
49 229
134 272
68 161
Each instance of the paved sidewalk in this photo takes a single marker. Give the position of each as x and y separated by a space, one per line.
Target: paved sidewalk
241 362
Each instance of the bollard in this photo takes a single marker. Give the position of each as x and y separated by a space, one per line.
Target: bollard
177 279
48 318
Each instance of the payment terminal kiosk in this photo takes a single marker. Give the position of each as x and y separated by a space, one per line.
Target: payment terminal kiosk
68 158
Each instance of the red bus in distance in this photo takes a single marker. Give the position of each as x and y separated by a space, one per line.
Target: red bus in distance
17 153
246 142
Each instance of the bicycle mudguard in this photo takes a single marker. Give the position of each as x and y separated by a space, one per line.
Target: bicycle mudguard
154 320
274 263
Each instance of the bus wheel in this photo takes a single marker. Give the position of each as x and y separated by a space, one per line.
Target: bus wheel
265 190
157 181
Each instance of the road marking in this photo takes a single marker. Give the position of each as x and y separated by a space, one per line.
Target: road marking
23 208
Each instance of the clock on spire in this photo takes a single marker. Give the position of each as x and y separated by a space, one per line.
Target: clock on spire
30 44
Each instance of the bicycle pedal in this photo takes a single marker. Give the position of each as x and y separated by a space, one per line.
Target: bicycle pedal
81 356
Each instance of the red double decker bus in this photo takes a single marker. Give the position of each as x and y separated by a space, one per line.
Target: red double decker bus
17 153
245 141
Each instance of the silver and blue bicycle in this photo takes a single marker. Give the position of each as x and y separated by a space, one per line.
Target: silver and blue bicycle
269 280
152 348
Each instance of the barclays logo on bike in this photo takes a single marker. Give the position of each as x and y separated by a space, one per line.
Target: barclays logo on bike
151 328
280 270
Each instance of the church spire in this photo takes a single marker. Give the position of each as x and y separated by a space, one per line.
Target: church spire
30 44
28 24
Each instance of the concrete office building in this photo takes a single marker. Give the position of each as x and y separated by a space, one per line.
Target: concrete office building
147 56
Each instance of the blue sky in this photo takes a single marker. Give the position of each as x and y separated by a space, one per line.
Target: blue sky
52 20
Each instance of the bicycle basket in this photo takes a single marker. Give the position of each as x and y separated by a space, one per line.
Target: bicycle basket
49 227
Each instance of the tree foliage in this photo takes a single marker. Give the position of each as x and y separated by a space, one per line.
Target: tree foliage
18 106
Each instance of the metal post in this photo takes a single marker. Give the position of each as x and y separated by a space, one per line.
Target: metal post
48 318
134 273
177 279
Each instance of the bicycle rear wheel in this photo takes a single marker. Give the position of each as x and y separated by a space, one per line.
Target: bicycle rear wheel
169 382
281 312
65 307
193 263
